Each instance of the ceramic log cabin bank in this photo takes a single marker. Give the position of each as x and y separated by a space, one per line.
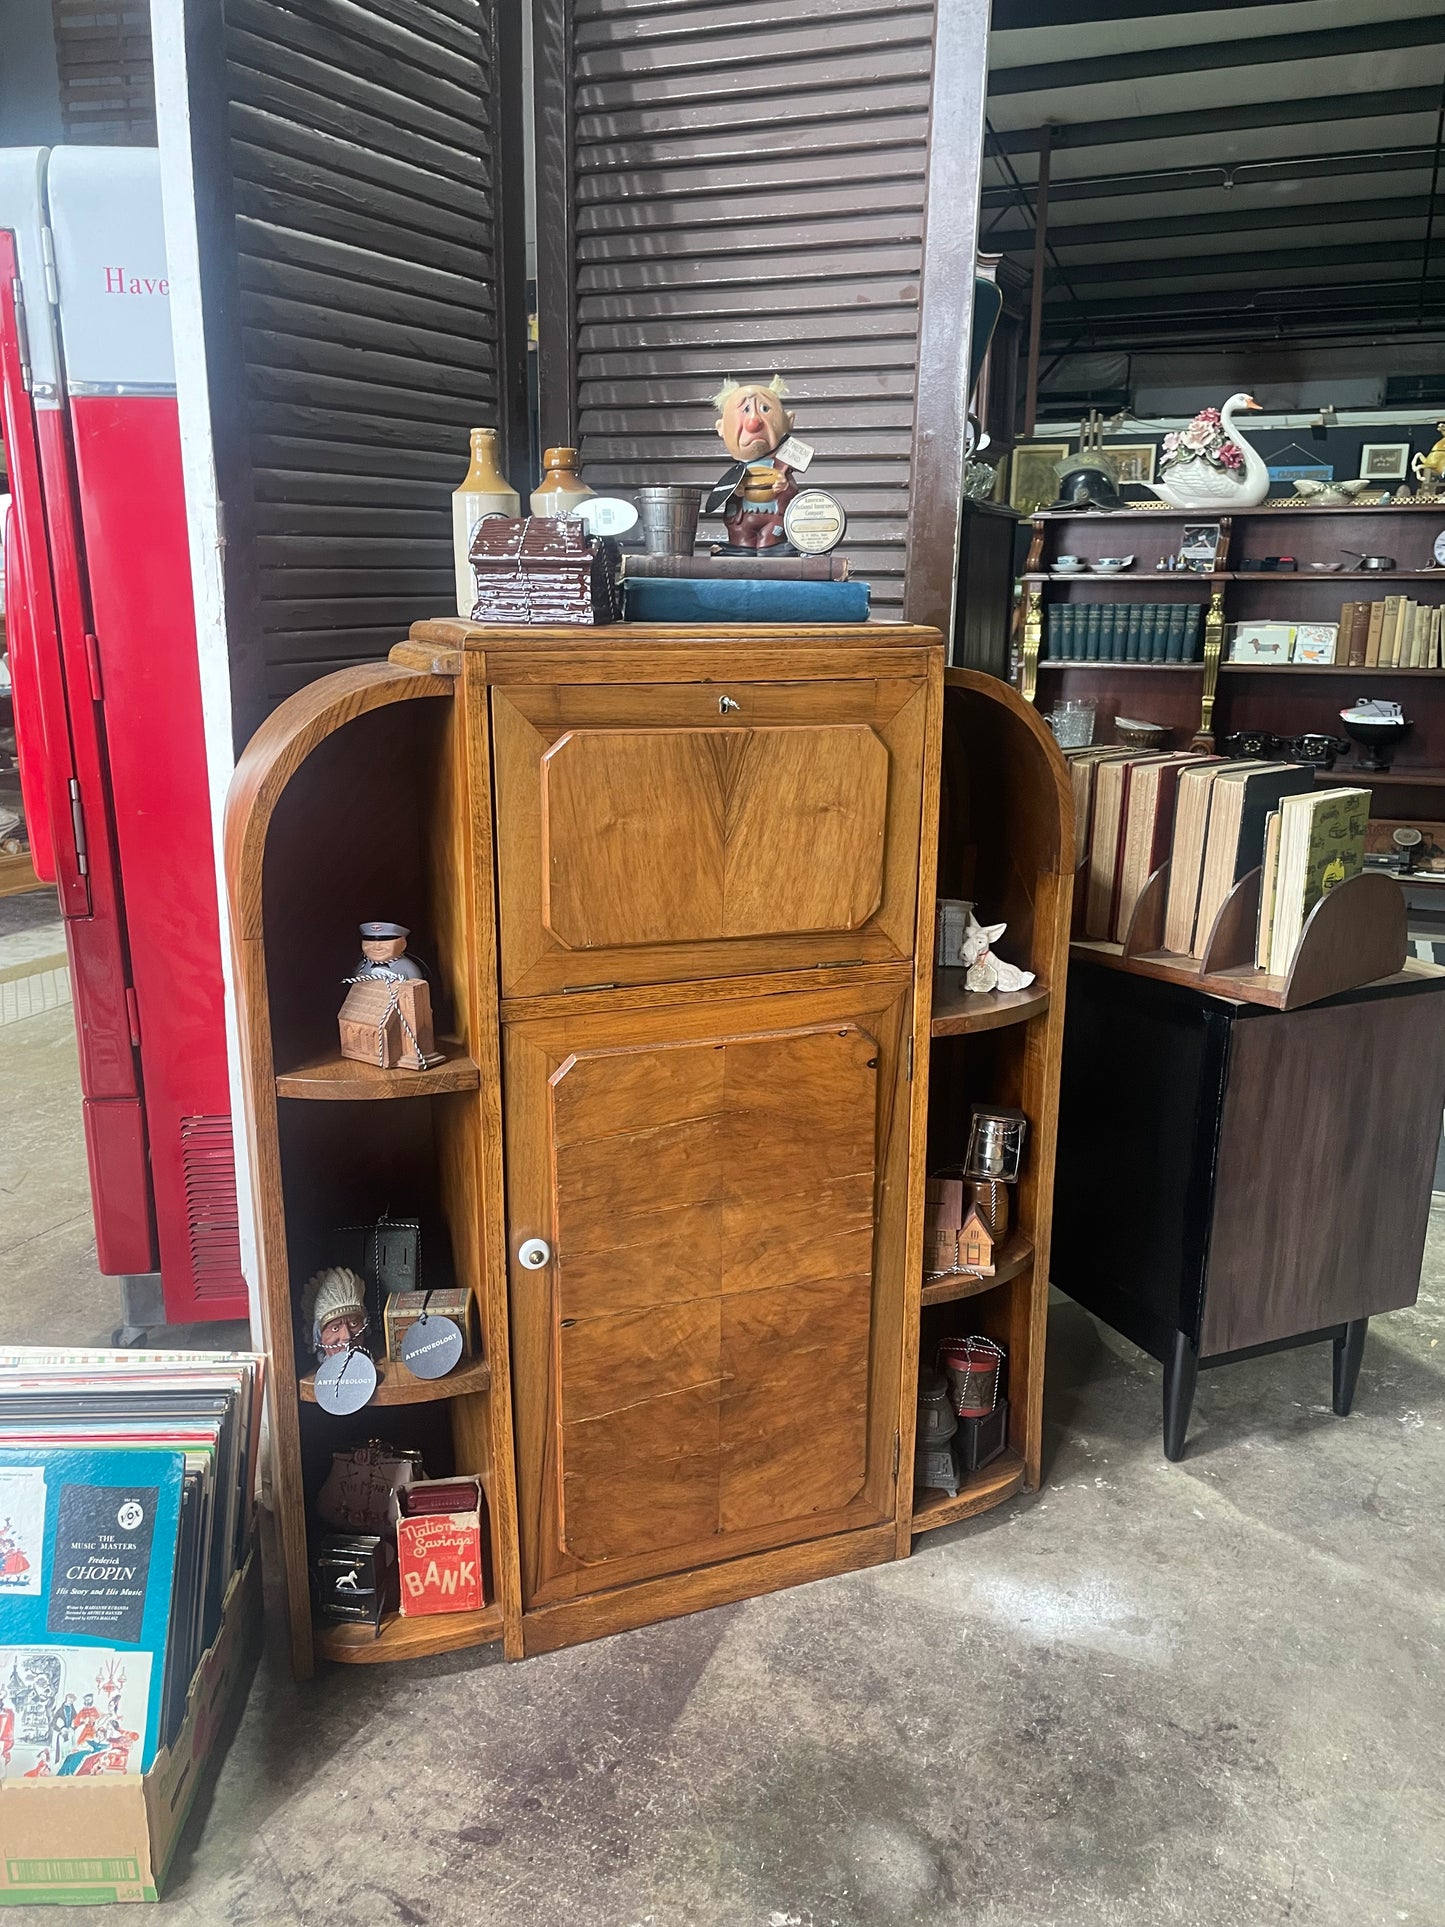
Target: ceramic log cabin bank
753 493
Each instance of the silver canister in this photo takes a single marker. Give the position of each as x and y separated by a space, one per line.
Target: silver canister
667 518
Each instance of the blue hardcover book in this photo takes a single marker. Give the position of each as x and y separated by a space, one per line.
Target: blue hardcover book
1133 633
87 1569
1158 631
1113 649
1178 631
666 598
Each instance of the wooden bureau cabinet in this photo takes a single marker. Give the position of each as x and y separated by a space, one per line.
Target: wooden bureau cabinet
677 890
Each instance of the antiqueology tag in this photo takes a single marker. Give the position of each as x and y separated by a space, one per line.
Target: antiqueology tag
431 1346
345 1382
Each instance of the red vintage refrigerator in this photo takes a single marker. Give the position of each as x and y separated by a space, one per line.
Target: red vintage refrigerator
102 648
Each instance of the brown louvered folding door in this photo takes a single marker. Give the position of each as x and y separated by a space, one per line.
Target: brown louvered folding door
728 189
363 311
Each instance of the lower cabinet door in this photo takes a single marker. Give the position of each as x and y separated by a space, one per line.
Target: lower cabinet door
706 1361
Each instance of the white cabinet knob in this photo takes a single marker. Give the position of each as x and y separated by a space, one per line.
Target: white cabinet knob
534 1253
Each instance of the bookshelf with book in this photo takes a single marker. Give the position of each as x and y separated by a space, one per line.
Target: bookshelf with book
1083 633
1251 1042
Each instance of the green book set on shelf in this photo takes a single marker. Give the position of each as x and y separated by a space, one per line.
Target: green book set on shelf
1124 631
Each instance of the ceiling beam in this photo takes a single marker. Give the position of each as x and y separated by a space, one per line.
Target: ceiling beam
1391 103
1011 15
1099 187
1224 220
1239 50
1193 267
1236 306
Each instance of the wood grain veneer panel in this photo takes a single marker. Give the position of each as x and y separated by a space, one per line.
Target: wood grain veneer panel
695 1369
1327 1144
672 836
661 832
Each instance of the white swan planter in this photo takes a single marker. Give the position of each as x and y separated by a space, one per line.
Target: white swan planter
1195 483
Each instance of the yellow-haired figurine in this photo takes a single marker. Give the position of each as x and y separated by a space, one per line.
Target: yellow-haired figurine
755 490
1429 470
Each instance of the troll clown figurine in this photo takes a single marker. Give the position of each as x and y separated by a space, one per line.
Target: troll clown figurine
753 493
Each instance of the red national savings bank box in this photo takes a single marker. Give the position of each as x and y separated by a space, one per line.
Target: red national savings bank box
439 1546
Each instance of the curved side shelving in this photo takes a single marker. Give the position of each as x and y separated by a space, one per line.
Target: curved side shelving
957 1011
986 1489
337 1079
395 1385
408 1638
1016 1256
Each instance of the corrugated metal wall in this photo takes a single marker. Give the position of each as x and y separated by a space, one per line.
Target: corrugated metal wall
364 326
743 191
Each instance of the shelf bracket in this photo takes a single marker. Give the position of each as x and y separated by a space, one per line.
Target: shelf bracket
1213 648
1033 639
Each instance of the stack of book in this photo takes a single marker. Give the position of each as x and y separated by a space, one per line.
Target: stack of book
1397 633
1312 843
1219 837
1205 815
1124 631
742 588
127 1507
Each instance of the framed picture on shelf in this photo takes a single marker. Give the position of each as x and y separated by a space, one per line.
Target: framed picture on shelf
1384 461
1133 462
1260 641
1033 478
1199 547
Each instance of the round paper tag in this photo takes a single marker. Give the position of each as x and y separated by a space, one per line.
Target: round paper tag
431 1346
345 1382
606 515
814 522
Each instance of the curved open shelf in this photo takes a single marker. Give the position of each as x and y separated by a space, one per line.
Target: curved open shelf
395 1385
336 1079
408 1638
1017 1255
957 1011
990 1487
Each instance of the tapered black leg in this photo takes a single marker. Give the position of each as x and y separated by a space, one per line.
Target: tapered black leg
1181 1373
1349 1350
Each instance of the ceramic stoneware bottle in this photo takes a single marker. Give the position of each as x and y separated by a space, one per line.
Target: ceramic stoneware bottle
561 487
485 490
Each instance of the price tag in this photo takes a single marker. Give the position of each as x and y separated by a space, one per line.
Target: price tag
345 1382
814 522
431 1346
606 515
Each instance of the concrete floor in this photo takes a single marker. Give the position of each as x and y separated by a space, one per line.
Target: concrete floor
1205 1694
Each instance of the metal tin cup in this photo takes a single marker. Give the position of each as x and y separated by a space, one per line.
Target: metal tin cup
668 518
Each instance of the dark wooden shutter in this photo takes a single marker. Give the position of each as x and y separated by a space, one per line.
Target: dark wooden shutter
731 188
365 298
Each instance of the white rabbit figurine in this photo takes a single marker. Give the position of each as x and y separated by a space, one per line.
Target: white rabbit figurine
985 971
